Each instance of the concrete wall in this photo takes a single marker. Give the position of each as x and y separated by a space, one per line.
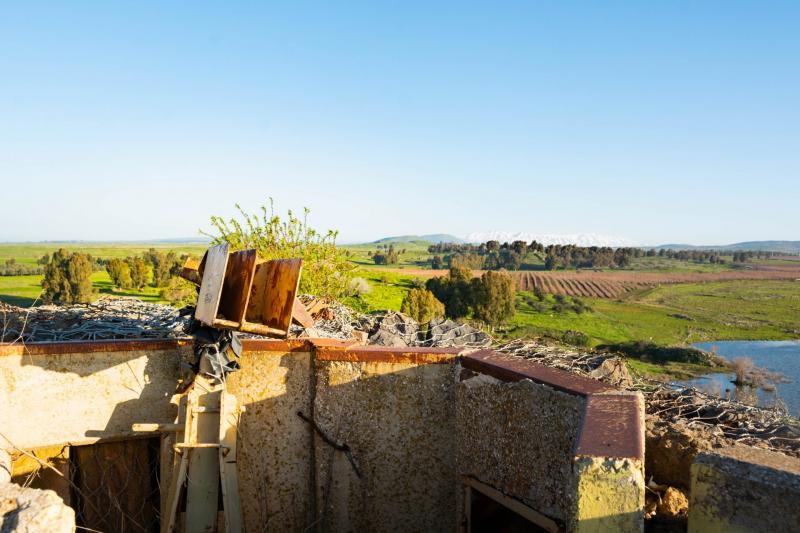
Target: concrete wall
519 438
396 429
274 464
744 489
567 447
396 418
82 392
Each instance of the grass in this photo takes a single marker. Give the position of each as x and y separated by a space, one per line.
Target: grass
387 290
677 314
23 291
29 253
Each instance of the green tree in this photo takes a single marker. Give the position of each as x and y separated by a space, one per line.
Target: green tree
422 306
454 291
493 298
67 278
120 273
164 266
140 274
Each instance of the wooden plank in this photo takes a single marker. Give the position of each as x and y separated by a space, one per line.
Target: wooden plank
301 315
273 292
216 262
258 329
229 423
236 287
202 492
169 521
544 522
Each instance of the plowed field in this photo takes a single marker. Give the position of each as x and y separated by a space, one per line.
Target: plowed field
613 284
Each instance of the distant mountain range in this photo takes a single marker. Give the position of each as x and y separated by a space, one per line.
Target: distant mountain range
432 238
786 247
580 239
589 239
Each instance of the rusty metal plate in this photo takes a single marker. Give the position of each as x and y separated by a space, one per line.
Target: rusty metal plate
612 427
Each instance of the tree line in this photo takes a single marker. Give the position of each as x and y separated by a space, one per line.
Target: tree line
67 275
493 255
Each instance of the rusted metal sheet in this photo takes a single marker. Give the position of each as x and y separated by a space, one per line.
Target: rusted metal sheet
236 288
612 427
273 291
512 368
385 354
84 347
276 345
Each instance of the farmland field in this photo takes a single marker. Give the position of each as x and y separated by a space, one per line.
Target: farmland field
666 303
615 283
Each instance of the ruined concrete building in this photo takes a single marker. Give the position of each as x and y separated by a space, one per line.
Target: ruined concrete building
342 437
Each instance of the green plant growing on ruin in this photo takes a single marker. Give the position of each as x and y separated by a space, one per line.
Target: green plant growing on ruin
67 278
326 269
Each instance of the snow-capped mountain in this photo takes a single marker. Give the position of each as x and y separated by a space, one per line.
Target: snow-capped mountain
580 239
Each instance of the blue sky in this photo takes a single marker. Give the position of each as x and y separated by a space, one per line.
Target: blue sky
655 121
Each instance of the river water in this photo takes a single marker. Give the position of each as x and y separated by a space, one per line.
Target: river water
776 356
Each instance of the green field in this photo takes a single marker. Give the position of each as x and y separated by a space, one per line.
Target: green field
676 314
670 314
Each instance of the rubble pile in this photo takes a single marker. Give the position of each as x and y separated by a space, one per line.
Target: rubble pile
107 318
128 318
683 412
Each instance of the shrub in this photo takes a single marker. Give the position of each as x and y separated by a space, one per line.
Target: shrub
575 338
422 306
179 292
358 287
742 367
67 278
326 270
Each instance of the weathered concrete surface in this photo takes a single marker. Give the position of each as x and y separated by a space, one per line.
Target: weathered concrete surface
26 510
5 466
609 495
81 397
608 470
274 446
519 438
744 489
398 421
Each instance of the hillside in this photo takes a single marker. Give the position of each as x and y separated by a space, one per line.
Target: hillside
431 238
787 247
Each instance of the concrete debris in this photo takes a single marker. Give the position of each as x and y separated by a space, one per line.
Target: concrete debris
672 447
399 330
674 504
26 510
614 371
